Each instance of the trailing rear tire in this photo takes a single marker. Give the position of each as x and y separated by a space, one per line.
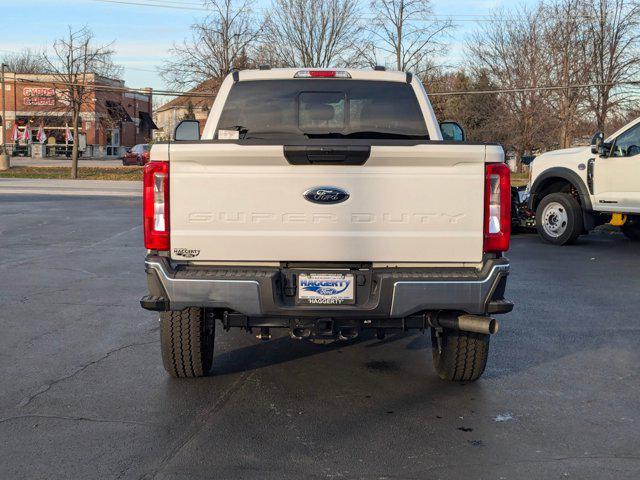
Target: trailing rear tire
461 356
559 219
186 341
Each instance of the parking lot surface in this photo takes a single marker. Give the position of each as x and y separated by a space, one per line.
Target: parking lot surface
83 393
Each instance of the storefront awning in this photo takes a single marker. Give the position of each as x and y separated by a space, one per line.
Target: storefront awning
117 112
145 119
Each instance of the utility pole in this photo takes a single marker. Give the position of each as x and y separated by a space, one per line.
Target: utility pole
4 158
150 104
135 117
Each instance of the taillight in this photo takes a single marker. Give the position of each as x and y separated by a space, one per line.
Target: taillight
322 74
145 157
497 208
155 205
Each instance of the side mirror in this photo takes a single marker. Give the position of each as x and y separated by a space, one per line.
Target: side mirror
187 130
452 132
527 159
596 143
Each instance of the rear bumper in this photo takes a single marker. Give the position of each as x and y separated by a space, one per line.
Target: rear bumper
380 292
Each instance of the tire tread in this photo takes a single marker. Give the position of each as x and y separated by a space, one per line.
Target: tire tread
183 348
463 357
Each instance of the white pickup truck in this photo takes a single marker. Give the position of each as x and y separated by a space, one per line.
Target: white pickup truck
326 202
574 190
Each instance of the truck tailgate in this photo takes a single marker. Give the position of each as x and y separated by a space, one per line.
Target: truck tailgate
245 203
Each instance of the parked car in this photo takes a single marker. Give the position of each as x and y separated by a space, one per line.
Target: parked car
574 190
137 155
326 202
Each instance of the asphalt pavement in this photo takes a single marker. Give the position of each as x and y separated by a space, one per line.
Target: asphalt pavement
83 394
46 186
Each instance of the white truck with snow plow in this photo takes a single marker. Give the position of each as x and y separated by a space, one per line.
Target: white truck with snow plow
574 190
326 202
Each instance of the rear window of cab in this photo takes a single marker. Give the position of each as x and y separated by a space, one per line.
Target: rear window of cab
321 108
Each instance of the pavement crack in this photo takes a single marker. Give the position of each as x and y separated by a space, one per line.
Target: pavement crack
200 421
85 304
47 386
73 250
77 419
77 270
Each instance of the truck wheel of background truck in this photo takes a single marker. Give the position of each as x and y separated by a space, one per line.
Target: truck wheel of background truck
459 356
559 219
186 341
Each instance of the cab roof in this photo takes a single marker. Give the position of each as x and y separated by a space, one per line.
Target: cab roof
289 74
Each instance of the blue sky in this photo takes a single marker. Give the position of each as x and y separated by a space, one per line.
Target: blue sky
143 35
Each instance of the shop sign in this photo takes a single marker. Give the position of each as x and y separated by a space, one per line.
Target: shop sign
40 96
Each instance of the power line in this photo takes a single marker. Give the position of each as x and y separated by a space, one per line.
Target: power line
203 3
14 52
193 6
139 69
186 6
176 2
544 88
172 93
141 4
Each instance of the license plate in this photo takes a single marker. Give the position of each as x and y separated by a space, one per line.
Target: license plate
326 288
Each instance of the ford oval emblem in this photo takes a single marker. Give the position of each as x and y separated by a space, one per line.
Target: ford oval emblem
326 195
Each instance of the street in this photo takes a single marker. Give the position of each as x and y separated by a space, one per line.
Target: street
70 187
83 393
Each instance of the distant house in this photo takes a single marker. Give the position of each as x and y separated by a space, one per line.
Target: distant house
196 102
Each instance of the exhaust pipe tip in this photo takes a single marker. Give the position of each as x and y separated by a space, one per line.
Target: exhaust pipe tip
470 323
494 326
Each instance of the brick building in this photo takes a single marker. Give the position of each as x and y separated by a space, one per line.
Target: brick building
111 121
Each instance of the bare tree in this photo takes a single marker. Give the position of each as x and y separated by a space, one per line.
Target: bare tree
220 43
25 61
74 62
313 33
481 115
511 51
407 32
566 39
615 36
